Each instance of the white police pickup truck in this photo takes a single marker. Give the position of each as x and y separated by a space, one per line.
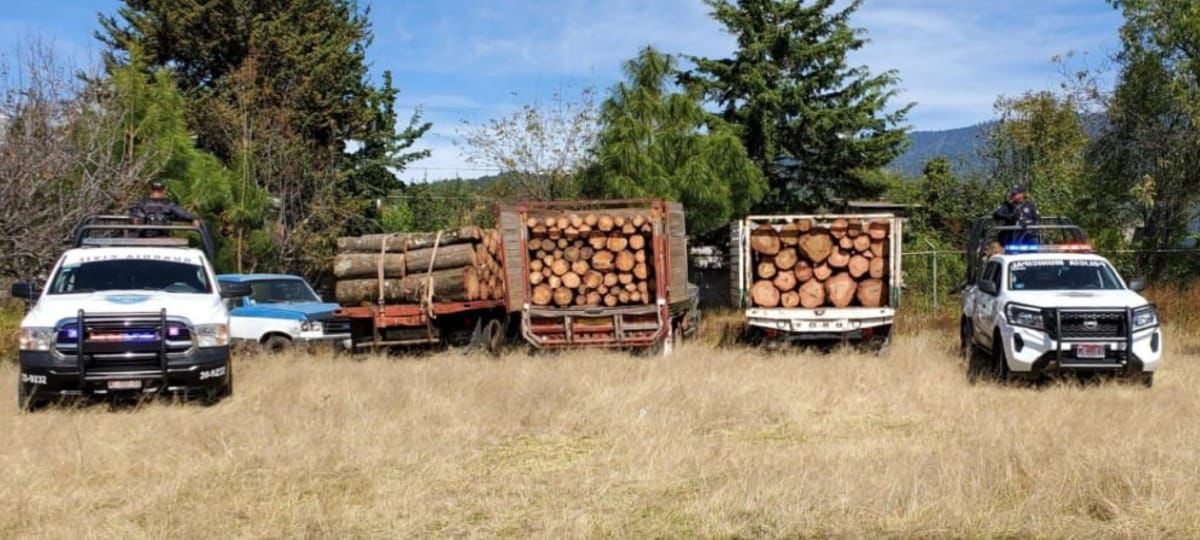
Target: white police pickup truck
283 311
1038 307
127 311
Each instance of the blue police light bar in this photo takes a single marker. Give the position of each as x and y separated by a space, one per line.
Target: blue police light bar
1072 247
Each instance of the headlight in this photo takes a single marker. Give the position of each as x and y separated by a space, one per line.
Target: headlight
310 326
212 335
1027 317
1144 317
36 339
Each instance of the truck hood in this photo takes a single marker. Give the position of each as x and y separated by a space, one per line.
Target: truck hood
1123 298
195 308
312 311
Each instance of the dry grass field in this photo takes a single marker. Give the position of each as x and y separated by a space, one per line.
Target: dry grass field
711 442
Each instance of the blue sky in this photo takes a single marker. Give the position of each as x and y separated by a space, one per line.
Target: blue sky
474 59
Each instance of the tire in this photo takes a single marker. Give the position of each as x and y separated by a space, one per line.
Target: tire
25 403
276 344
493 336
1000 371
965 331
978 366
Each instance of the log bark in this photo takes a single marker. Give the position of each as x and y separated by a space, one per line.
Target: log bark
765 240
840 289
870 293
764 294
363 265
372 243
816 246
455 285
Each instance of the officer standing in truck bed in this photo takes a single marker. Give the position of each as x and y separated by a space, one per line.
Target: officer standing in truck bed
1017 211
158 209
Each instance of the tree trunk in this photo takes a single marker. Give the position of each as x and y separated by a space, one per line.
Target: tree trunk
373 243
363 265
454 285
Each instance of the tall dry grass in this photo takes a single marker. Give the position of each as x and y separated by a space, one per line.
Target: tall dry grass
711 442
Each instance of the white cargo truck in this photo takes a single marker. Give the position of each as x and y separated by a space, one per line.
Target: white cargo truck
845 276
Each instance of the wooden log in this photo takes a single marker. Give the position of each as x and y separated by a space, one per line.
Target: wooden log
585 253
858 266
878 247
554 282
785 281
803 225
766 269
878 267
789 299
803 271
628 229
563 297
637 242
816 245
571 280
838 258
571 254
821 272
786 259
765 240
547 245
639 255
580 267
812 294
638 220
594 298
603 260
870 293
373 243
454 285
542 295
625 261
575 220
532 222
618 221
611 279
641 271
536 278
593 279
362 265
862 243
590 220
560 267
789 234
538 231
878 230
580 299
764 294
561 243
623 296
604 223
610 300
838 228
839 289
624 279
616 243
597 240
846 243
635 297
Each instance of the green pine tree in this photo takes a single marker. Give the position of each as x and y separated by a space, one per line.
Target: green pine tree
812 122
657 141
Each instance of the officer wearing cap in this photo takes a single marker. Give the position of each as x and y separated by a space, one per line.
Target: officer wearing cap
158 209
1019 212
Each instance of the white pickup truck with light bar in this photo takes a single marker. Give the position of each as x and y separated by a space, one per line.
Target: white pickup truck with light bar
128 311
1039 301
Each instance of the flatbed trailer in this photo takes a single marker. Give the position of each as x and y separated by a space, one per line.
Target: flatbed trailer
672 314
482 324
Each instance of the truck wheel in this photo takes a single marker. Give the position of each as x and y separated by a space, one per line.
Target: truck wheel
276 344
493 336
25 402
964 337
1000 371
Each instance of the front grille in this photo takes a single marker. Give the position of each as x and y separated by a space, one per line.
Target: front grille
339 325
115 342
1088 324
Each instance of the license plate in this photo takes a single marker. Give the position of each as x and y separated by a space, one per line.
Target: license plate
1089 350
124 385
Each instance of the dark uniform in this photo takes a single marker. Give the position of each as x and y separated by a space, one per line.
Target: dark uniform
1017 214
158 211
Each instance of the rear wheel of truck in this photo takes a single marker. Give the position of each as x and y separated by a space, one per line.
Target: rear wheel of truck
978 365
493 336
1000 371
276 344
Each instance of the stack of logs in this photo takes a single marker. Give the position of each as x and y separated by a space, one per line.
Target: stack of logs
455 265
810 265
591 259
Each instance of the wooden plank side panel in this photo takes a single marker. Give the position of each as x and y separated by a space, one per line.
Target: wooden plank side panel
512 231
678 256
737 289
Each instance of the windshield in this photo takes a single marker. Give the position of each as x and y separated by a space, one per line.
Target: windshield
130 275
281 291
1062 275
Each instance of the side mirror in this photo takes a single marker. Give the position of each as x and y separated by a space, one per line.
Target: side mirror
988 287
28 291
235 290
1136 285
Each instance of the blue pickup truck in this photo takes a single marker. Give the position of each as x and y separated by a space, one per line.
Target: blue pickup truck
282 311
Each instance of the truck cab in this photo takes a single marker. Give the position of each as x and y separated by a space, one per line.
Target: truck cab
282 311
128 310
1048 304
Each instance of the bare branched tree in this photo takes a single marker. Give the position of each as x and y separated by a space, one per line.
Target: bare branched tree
539 148
56 157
